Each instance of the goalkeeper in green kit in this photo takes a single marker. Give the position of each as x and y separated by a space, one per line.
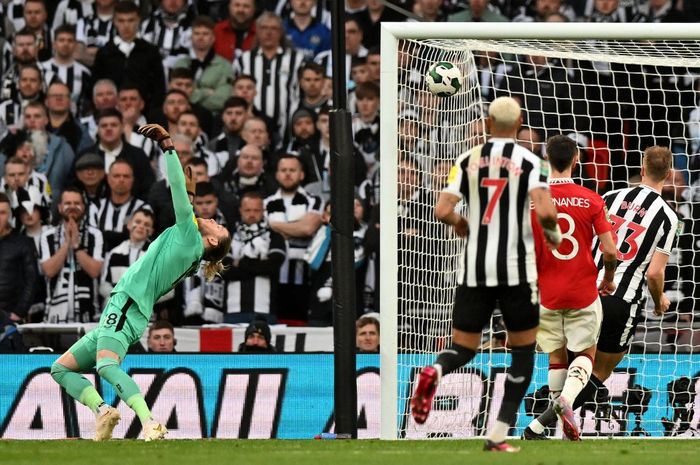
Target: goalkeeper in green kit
173 256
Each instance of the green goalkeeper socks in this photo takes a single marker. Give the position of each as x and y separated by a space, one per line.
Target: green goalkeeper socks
126 388
77 386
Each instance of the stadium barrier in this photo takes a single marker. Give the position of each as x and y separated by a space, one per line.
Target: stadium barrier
211 338
291 397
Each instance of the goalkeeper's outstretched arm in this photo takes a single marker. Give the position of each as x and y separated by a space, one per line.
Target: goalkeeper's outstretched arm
178 184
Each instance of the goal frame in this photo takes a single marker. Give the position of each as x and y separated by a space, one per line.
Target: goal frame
390 35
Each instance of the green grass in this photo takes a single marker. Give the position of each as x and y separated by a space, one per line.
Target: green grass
279 452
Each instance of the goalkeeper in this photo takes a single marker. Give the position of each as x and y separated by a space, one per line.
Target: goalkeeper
174 255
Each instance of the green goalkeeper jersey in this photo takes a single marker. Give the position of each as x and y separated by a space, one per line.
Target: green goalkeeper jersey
173 256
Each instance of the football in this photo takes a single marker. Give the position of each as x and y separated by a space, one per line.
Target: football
444 79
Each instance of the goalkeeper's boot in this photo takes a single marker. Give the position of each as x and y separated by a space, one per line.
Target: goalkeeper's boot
107 420
154 431
503 446
568 422
529 435
422 400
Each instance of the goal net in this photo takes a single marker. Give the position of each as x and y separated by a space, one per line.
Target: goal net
614 98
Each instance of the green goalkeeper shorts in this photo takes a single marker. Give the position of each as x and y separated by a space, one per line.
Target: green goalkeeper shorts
121 325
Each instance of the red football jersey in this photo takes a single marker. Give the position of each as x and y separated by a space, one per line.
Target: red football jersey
567 276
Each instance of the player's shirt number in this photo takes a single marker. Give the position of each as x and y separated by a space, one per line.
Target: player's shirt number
567 234
630 240
500 185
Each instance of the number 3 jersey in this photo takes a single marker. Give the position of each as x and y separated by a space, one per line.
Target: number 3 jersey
642 223
567 276
495 180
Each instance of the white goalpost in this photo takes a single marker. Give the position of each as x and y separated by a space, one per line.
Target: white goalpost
615 89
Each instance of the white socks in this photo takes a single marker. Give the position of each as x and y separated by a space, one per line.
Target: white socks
499 432
556 378
577 377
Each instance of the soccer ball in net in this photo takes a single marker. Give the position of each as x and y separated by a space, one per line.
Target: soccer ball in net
444 79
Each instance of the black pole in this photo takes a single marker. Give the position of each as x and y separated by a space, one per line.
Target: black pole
342 243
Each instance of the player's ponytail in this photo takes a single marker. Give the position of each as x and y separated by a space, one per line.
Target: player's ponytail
212 269
214 257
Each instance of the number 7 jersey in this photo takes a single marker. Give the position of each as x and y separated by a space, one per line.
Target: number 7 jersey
642 223
495 179
567 276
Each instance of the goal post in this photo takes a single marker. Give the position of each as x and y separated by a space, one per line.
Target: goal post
599 76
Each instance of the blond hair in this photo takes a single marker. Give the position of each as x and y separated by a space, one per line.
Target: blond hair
504 113
212 269
214 258
657 162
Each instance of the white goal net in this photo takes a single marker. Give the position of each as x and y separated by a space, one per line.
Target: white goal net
615 98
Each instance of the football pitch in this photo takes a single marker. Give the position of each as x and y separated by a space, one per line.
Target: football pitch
283 452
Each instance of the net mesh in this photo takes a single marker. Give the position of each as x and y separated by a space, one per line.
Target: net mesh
614 98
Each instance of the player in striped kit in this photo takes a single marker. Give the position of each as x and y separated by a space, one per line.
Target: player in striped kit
498 180
644 227
571 312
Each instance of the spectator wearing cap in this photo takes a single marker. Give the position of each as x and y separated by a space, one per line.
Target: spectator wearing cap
90 177
52 155
304 144
258 338
212 74
112 145
257 253
367 335
18 267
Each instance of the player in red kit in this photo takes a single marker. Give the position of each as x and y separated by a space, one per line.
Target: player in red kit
570 309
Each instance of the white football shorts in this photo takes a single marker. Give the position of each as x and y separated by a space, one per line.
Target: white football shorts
577 329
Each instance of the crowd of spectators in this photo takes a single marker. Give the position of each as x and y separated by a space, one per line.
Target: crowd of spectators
244 87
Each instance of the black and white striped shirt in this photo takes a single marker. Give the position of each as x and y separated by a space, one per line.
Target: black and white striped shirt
495 180
111 219
173 40
254 292
72 293
36 181
95 31
117 261
287 209
277 86
643 223
71 11
76 76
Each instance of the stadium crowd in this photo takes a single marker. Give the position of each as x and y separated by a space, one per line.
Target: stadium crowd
245 89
